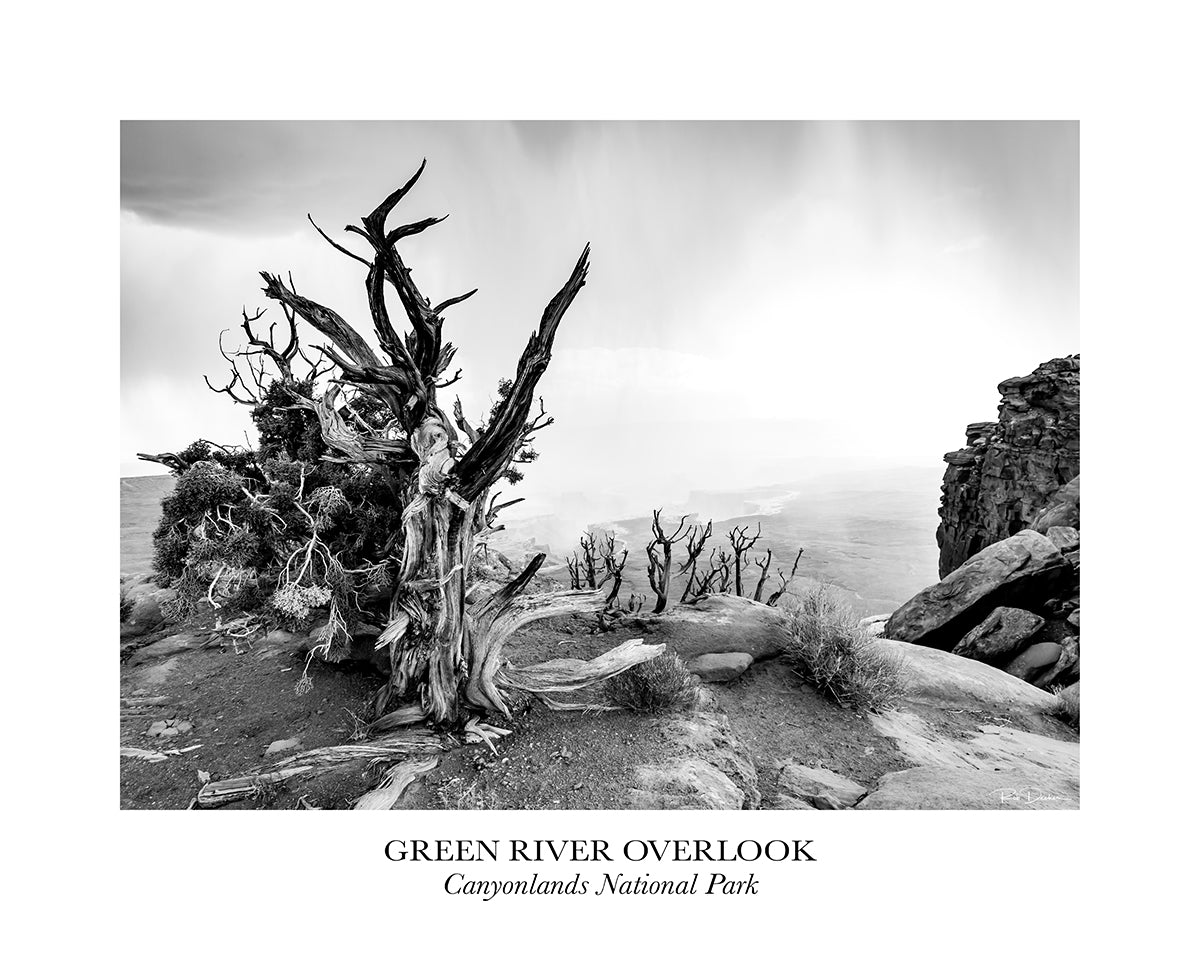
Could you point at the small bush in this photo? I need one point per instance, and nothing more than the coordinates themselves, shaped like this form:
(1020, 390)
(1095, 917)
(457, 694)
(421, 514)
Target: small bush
(655, 686)
(827, 649)
(1066, 705)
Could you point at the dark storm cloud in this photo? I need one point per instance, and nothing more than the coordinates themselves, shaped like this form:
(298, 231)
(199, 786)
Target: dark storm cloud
(742, 272)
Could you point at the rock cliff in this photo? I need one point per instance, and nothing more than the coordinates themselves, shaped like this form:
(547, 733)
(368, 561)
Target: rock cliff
(1009, 538)
(1012, 469)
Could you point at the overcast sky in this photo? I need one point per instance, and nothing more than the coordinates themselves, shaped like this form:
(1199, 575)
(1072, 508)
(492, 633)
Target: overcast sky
(766, 300)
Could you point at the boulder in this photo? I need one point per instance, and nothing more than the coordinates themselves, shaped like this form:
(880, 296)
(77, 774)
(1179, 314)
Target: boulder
(1067, 541)
(285, 640)
(941, 679)
(1004, 631)
(1062, 510)
(169, 728)
(705, 766)
(720, 667)
(874, 626)
(1065, 538)
(146, 613)
(818, 788)
(362, 645)
(281, 746)
(1066, 669)
(717, 624)
(954, 788)
(685, 783)
(1023, 571)
(167, 647)
(1034, 661)
(997, 768)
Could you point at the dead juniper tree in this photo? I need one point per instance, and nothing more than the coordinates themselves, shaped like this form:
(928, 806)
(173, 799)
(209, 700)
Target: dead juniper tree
(614, 568)
(443, 652)
(697, 538)
(742, 544)
(658, 552)
(764, 570)
(582, 569)
(725, 570)
(706, 583)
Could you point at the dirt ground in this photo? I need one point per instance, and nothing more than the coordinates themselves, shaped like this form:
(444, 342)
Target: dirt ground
(238, 705)
(777, 716)
(241, 701)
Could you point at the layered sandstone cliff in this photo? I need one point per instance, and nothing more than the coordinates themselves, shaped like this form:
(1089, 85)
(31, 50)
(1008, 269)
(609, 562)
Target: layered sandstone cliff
(1013, 469)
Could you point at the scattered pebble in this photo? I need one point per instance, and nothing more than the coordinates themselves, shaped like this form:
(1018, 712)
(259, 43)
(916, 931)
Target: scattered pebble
(169, 728)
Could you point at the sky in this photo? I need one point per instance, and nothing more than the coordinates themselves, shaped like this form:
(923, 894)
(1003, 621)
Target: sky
(766, 301)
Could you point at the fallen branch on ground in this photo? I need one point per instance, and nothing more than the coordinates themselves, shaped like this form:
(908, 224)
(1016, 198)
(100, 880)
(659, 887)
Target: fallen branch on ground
(156, 756)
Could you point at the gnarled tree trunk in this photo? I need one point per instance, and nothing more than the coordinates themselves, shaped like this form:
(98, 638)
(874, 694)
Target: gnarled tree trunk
(443, 650)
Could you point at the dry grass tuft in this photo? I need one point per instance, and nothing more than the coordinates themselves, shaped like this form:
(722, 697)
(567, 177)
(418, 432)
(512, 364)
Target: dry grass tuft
(655, 686)
(829, 651)
(1066, 704)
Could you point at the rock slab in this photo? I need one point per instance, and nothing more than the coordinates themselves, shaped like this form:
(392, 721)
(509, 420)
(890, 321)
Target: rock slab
(706, 767)
(1024, 570)
(1029, 664)
(1004, 632)
(817, 787)
(720, 667)
(718, 624)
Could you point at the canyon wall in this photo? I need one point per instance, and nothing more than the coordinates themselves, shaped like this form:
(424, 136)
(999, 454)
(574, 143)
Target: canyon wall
(1013, 469)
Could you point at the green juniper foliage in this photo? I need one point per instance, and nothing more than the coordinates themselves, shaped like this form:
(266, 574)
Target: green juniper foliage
(237, 515)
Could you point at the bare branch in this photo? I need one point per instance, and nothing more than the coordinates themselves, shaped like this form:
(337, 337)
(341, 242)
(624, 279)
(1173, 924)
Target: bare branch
(785, 581)
(453, 300)
(487, 459)
(764, 566)
(234, 382)
(344, 336)
(461, 420)
(337, 246)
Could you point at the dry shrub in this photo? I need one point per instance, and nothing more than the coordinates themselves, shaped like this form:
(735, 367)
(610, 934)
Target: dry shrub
(828, 650)
(1066, 705)
(655, 686)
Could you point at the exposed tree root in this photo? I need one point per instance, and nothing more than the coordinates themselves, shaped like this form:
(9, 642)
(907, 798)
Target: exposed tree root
(393, 784)
(562, 676)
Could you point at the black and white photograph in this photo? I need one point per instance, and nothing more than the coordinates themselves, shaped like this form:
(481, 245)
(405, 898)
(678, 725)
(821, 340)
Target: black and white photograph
(548, 465)
(591, 481)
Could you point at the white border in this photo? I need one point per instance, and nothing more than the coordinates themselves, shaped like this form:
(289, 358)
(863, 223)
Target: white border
(282, 884)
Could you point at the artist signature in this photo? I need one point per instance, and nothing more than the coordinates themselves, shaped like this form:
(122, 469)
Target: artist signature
(1030, 796)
